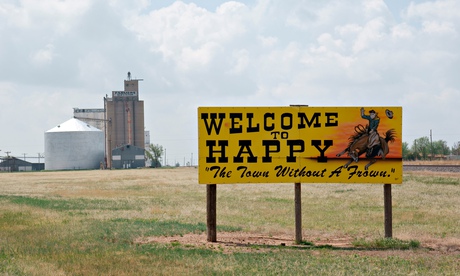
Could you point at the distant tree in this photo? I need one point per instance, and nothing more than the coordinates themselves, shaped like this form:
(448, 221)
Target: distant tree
(456, 148)
(154, 153)
(440, 147)
(421, 147)
(405, 151)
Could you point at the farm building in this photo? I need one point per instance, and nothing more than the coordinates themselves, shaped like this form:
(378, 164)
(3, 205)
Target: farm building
(128, 157)
(13, 164)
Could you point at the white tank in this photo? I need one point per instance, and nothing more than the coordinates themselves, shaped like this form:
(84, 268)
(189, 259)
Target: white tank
(73, 145)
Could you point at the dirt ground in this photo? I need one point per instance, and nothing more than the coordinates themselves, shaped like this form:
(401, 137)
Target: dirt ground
(229, 242)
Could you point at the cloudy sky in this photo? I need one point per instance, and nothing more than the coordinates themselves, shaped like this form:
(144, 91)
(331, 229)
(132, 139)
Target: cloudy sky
(59, 54)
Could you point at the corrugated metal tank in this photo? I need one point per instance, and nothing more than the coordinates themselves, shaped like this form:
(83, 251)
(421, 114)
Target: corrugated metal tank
(73, 145)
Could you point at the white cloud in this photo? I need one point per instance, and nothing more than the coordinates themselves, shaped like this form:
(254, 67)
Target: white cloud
(13, 16)
(56, 14)
(326, 40)
(267, 41)
(44, 55)
(373, 32)
(192, 59)
(402, 31)
(374, 8)
(348, 29)
(182, 29)
(434, 10)
(435, 27)
(240, 61)
(232, 7)
(436, 17)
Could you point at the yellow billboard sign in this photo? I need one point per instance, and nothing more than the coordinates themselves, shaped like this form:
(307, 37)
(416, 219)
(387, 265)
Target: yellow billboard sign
(300, 144)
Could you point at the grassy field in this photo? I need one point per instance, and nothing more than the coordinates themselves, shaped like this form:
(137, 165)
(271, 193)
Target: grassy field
(153, 222)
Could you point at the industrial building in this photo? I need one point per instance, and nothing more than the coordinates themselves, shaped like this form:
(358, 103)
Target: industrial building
(77, 143)
(124, 115)
(74, 145)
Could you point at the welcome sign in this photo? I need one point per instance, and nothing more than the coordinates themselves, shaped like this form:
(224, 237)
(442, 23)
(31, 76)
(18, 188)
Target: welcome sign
(300, 144)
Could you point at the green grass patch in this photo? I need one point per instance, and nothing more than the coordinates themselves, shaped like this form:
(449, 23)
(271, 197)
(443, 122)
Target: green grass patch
(344, 190)
(14, 219)
(277, 200)
(386, 243)
(433, 179)
(58, 204)
(307, 243)
(127, 229)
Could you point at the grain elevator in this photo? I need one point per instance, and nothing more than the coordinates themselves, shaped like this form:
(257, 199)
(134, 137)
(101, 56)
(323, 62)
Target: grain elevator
(124, 117)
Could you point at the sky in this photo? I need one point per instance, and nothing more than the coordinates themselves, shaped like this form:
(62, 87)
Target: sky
(56, 55)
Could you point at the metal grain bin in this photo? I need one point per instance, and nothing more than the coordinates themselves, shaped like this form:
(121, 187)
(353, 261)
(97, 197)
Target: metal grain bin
(73, 145)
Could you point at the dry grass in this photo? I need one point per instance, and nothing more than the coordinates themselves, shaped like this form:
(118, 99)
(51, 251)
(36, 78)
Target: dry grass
(174, 194)
(107, 214)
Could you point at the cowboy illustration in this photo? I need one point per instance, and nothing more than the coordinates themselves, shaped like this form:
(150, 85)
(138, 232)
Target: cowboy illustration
(366, 139)
(374, 138)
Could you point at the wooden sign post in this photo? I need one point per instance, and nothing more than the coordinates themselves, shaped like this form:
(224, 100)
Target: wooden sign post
(298, 212)
(388, 210)
(211, 211)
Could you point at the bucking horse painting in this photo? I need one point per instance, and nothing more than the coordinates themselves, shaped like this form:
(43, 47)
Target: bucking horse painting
(358, 144)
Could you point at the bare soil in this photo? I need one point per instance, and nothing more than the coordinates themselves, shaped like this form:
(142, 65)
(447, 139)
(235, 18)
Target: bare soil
(229, 242)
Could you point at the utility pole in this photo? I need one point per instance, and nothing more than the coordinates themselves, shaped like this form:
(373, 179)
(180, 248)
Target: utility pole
(8, 158)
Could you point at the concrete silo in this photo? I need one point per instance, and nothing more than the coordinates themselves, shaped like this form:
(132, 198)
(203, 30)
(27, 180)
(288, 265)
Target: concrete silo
(73, 145)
